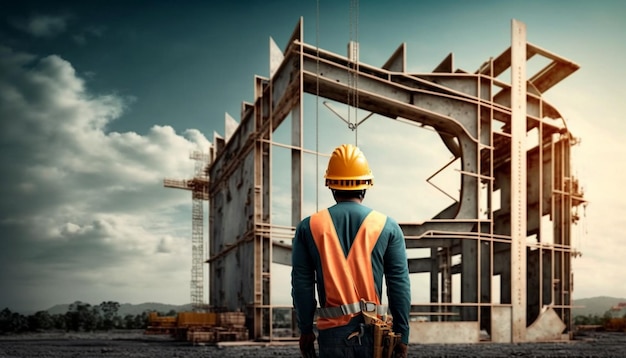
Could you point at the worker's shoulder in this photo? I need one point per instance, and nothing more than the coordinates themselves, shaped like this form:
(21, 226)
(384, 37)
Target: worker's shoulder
(389, 220)
(305, 222)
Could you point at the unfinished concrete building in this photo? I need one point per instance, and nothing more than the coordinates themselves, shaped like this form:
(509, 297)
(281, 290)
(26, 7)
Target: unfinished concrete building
(507, 236)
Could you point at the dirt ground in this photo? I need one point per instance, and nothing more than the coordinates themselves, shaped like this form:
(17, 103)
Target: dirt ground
(118, 345)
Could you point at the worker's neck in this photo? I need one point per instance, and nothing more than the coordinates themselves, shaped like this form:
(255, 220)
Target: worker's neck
(345, 200)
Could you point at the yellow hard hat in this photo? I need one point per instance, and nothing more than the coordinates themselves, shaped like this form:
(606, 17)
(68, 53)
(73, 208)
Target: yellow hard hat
(348, 169)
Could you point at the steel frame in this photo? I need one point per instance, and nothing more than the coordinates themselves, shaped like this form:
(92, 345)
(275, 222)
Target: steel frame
(482, 120)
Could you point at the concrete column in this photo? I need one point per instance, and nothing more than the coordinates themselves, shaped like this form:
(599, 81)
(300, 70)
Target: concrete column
(518, 180)
(469, 278)
(434, 278)
(485, 283)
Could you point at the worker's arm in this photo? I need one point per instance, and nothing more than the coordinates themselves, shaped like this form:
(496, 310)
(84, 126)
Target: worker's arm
(397, 279)
(303, 278)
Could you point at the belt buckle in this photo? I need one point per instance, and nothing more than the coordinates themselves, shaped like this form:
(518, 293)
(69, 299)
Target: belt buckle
(368, 306)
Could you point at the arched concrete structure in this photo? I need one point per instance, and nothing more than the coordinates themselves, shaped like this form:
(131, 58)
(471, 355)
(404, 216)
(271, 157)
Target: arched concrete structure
(523, 241)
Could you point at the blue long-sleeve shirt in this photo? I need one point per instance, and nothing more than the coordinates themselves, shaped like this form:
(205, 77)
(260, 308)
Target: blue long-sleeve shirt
(388, 259)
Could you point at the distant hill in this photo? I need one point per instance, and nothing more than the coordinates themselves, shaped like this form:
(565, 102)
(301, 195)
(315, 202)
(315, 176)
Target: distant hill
(595, 306)
(128, 308)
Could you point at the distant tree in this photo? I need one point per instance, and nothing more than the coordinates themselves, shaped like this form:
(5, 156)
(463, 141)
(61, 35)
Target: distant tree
(19, 322)
(91, 318)
(12, 322)
(595, 319)
(109, 311)
(81, 316)
(41, 320)
(72, 321)
(58, 321)
(141, 320)
(581, 320)
(118, 322)
(129, 321)
(5, 319)
(72, 316)
(590, 320)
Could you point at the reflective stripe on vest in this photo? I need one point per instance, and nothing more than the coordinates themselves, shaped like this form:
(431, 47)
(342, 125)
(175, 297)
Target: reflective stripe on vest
(346, 280)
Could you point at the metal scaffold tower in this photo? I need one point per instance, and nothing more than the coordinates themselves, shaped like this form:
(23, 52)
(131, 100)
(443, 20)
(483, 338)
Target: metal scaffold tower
(199, 193)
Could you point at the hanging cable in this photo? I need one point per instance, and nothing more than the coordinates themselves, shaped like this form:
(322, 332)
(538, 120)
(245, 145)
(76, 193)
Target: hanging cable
(356, 73)
(317, 106)
(350, 59)
(353, 93)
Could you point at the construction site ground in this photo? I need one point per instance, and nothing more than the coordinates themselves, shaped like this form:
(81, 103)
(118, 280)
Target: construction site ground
(136, 344)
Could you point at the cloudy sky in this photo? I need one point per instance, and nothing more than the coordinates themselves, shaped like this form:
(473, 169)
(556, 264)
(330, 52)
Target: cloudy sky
(101, 100)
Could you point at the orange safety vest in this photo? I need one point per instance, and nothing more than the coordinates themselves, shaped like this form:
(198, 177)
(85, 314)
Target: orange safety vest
(346, 279)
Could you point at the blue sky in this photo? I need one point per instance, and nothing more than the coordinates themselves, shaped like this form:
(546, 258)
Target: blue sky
(101, 100)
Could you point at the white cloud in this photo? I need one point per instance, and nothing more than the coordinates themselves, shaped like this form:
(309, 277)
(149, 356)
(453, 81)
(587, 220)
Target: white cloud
(84, 208)
(44, 25)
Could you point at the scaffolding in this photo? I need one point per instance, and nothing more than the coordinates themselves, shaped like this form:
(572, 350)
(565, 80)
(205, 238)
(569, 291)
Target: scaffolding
(509, 224)
(198, 186)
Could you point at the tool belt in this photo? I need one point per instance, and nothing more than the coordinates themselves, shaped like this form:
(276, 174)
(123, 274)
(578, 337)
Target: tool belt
(385, 340)
(351, 308)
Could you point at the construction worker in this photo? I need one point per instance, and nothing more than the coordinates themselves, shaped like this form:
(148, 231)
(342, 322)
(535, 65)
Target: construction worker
(347, 249)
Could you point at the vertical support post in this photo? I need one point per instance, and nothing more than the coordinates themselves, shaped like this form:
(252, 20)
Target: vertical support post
(262, 314)
(446, 277)
(486, 259)
(296, 157)
(210, 250)
(262, 202)
(518, 180)
(296, 162)
(434, 278)
(469, 279)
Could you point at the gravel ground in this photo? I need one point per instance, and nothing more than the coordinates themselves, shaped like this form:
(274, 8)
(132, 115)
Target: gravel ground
(114, 345)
